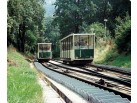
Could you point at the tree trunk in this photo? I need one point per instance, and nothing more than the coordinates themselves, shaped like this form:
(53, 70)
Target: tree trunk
(21, 39)
(77, 19)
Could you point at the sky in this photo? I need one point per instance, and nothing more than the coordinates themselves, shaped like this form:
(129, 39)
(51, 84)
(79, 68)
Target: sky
(49, 7)
(49, 2)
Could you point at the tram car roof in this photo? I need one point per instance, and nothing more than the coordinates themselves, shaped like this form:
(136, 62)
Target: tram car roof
(77, 34)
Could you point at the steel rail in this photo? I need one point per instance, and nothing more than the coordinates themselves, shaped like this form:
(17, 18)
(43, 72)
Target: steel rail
(121, 81)
(91, 83)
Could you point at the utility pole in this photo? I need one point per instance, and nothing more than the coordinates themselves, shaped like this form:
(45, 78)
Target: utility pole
(105, 20)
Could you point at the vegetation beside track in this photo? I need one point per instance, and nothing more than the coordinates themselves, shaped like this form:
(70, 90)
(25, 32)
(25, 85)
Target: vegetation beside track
(21, 80)
(109, 56)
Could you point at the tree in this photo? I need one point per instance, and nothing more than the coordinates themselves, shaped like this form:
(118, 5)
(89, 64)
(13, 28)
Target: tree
(119, 8)
(53, 35)
(25, 22)
(123, 34)
(70, 14)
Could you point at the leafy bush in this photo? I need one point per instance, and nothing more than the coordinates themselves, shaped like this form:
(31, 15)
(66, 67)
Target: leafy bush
(30, 41)
(105, 54)
(101, 38)
(98, 29)
(109, 56)
(123, 34)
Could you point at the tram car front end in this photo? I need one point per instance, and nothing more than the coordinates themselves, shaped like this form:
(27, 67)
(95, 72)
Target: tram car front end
(44, 53)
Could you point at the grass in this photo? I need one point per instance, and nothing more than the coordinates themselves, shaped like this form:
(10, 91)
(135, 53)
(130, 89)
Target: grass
(122, 61)
(22, 80)
(109, 56)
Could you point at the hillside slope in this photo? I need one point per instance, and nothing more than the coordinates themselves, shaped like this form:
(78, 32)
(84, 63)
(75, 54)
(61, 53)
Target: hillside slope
(109, 56)
(21, 80)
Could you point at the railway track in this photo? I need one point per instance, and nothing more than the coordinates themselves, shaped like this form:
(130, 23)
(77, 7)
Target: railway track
(120, 89)
(89, 92)
(112, 68)
(117, 77)
(115, 69)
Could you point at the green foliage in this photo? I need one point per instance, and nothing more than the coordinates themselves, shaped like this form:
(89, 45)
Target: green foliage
(52, 30)
(101, 53)
(109, 56)
(123, 34)
(52, 34)
(101, 37)
(31, 41)
(112, 53)
(22, 81)
(71, 14)
(25, 23)
(119, 8)
(98, 29)
(104, 8)
(122, 61)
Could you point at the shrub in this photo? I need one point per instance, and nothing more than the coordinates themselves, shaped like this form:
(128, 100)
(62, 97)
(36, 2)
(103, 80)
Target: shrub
(101, 38)
(123, 34)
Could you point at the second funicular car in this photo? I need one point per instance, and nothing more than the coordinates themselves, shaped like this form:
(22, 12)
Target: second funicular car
(77, 48)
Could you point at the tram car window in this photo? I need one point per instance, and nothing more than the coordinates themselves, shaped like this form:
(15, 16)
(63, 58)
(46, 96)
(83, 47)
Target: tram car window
(44, 52)
(77, 48)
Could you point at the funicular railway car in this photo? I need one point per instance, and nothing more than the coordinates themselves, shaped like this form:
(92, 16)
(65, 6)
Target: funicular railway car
(44, 53)
(77, 48)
